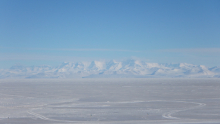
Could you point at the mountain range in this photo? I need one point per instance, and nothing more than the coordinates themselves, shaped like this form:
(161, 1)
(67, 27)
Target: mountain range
(130, 68)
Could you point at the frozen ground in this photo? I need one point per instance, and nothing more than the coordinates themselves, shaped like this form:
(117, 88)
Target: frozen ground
(108, 101)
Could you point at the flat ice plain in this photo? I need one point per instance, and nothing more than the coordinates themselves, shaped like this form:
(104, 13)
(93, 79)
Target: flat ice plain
(110, 101)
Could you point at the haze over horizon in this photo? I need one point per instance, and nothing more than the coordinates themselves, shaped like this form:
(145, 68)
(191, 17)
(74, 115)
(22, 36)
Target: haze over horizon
(49, 32)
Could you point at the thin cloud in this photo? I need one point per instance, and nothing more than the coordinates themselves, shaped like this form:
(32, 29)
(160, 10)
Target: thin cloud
(27, 57)
(66, 49)
(193, 50)
(60, 49)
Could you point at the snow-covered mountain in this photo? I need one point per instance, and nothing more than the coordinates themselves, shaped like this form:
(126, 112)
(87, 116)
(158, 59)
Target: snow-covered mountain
(112, 69)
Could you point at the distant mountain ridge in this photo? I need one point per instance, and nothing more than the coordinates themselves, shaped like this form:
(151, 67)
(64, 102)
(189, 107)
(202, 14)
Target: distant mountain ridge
(130, 68)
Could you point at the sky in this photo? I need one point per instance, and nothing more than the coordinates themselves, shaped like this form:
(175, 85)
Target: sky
(48, 32)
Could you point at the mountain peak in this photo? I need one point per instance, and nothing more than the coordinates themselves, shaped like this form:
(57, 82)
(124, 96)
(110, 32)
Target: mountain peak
(112, 68)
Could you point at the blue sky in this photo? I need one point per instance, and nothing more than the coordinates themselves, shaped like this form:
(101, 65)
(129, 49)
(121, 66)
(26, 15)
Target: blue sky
(37, 32)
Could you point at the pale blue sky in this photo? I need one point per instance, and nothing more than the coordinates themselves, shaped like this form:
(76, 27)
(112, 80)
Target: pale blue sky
(36, 32)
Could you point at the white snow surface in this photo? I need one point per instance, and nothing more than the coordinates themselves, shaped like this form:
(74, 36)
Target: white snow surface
(112, 69)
